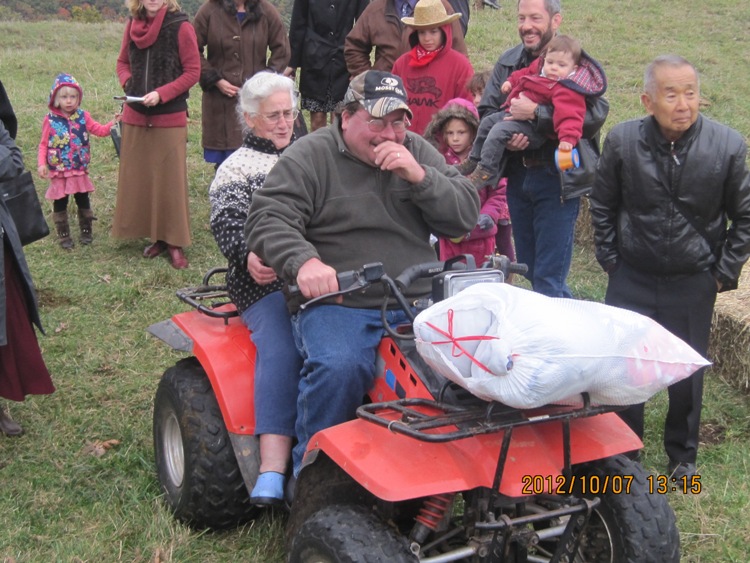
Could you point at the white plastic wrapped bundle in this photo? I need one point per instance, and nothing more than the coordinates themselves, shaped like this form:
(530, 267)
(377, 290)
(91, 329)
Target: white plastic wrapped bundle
(525, 350)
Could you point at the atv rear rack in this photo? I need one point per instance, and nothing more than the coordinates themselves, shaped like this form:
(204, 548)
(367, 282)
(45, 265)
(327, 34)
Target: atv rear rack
(215, 295)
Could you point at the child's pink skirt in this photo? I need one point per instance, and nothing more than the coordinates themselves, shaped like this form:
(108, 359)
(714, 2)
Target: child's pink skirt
(68, 183)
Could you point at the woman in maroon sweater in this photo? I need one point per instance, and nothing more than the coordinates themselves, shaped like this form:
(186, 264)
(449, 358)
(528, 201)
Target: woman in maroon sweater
(158, 63)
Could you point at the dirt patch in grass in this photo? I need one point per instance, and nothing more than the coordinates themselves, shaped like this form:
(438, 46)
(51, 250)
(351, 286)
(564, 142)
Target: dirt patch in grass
(51, 298)
(712, 433)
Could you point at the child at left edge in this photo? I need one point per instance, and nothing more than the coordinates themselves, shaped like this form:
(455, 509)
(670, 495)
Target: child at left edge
(64, 155)
(452, 131)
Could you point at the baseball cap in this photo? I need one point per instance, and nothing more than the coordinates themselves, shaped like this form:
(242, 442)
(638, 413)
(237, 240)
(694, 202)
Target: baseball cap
(379, 92)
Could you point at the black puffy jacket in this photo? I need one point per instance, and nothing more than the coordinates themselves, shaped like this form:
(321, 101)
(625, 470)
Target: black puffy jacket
(636, 219)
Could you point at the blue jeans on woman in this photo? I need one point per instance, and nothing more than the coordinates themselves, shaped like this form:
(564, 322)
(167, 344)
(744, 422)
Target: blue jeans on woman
(339, 346)
(543, 226)
(277, 365)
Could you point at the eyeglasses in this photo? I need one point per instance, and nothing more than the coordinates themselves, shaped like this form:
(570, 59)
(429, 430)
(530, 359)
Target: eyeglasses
(379, 125)
(275, 117)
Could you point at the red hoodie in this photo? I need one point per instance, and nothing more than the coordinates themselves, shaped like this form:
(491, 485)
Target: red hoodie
(429, 87)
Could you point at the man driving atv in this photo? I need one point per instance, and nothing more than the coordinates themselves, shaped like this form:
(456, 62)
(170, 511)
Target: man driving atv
(362, 190)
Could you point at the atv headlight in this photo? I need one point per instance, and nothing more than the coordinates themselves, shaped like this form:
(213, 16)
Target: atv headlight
(449, 284)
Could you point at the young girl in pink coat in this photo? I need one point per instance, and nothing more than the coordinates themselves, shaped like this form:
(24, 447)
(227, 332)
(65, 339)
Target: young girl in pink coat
(452, 131)
(64, 155)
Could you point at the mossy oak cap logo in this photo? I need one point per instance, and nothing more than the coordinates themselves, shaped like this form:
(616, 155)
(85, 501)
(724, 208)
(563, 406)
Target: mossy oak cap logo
(379, 92)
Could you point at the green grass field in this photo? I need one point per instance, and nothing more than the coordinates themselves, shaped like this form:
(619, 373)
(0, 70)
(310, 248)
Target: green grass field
(60, 503)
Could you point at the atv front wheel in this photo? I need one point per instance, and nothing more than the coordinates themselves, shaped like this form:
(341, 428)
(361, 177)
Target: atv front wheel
(630, 525)
(348, 534)
(195, 461)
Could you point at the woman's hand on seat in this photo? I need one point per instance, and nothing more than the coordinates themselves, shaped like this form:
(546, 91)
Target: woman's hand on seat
(262, 274)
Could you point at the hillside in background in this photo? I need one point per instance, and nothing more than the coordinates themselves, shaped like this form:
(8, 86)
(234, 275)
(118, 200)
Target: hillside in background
(94, 10)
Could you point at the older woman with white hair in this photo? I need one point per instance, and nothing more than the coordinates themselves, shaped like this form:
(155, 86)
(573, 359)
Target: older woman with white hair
(267, 108)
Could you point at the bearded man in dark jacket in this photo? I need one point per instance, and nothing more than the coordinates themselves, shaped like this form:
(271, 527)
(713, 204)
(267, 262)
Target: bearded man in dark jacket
(671, 215)
(543, 203)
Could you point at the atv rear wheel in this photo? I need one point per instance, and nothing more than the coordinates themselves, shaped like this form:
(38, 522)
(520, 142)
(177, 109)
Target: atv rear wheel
(348, 534)
(630, 525)
(195, 461)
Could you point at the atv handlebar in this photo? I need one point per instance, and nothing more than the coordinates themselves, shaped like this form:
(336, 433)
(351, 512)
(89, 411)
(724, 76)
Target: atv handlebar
(504, 264)
(418, 271)
(351, 281)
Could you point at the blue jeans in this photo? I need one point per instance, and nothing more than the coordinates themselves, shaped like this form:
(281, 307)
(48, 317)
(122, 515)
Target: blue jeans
(339, 346)
(277, 365)
(543, 226)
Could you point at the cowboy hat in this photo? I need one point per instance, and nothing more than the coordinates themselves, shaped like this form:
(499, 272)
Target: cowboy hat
(429, 14)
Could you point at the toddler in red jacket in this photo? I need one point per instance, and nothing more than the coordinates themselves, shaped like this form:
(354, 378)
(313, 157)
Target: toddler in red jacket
(563, 76)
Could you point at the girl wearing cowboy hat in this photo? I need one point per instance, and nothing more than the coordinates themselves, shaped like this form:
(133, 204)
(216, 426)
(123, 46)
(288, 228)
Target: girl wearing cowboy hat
(432, 71)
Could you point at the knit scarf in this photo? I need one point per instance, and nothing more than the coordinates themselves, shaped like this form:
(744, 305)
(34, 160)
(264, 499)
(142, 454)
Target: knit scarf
(145, 32)
(418, 56)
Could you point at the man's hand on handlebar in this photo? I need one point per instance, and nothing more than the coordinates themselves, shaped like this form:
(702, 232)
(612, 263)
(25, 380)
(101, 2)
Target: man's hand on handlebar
(315, 278)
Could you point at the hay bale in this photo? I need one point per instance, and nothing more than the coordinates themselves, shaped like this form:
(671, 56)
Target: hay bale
(730, 335)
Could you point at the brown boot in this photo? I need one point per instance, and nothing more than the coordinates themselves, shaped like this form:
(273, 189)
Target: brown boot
(466, 167)
(480, 177)
(85, 218)
(63, 229)
(8, 426)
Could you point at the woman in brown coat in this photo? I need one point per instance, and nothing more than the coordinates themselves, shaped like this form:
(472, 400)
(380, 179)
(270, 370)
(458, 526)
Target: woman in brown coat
(234, 37)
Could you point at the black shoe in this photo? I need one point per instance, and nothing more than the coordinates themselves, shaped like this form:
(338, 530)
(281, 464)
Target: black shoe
(8, 426)
(679, 469)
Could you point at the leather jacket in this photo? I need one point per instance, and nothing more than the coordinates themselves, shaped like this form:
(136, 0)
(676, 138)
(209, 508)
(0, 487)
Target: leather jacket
(636, 219)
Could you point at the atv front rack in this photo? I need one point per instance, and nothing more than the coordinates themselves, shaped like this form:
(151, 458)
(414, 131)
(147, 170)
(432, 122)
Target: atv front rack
(432, 421)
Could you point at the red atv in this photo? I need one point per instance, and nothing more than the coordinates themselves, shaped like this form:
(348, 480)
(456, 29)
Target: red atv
(427, 472)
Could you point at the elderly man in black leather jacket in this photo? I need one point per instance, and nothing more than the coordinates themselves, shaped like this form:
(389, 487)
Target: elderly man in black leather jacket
(668, 186)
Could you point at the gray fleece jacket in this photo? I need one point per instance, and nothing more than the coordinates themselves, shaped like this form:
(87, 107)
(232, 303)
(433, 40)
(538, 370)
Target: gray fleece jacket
(319, 201)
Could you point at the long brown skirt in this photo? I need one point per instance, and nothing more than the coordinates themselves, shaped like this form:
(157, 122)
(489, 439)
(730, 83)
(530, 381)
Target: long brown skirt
(22, 369)
(152, 195)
